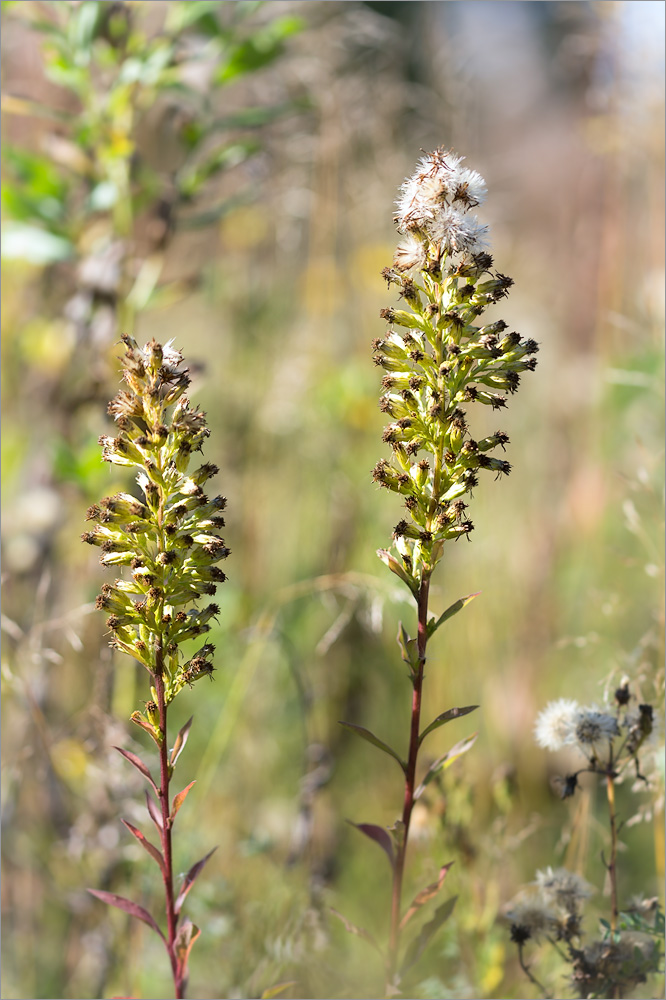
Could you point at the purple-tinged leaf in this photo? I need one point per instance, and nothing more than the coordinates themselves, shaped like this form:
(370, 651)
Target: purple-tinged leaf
(434, 623)
(277, 990)
(128, 906)
(422, 939)
(371, 738)
(154, 812)
(185, 938)
(449, 716)
(445, 761)
(358, 931)
(146, 844)
(181, 740)
(188, 881)
(379, 835)
(179, 799)
(139, 765)
(425, 895)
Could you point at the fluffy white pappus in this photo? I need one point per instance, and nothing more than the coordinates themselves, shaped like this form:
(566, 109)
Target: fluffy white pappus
(593, 732)
(439, 182)
(555, 724)
(563, 887)
(410, 253)
(459, 233)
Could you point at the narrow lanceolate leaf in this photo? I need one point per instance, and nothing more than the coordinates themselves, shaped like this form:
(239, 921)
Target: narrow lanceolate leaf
(128, 906)
(399, 570)
(425, 895)
(146, 844)
(408, 649)
(188, 881)
(179, 799)
(181, 740)
(434, 623)
(441, 720)
(371, 738)
(358, 931)
(139, 765)
(185, 938)
(442, 763)
(154, 812)
(421, 941)
(380, 836)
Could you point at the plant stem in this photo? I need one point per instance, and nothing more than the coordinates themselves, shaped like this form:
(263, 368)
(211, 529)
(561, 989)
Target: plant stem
(612, 865)
(526, 970)
(410, 780)
(167, 874)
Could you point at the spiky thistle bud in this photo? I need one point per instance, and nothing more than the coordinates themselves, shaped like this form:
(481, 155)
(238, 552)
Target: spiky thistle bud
(168, 536)
(439, 357)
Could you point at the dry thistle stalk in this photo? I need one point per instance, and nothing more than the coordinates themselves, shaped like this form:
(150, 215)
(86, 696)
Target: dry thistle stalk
(170, 541)
(438, 359)
(611, 741)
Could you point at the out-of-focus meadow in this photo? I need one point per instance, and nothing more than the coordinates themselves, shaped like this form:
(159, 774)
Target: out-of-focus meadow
(270, 284)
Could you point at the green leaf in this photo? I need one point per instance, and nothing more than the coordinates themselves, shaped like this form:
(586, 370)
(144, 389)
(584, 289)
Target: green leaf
(449, 716)
(399, 570)
(408, 649)
(421, 941)
(259, 50)
(278, 989)
(442, 763)
(371, 738)
(434, 624)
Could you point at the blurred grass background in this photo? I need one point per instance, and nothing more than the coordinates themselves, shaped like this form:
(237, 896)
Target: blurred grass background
(560, 106)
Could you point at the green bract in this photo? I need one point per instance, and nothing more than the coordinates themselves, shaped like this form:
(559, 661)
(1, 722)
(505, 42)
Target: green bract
(169, 536)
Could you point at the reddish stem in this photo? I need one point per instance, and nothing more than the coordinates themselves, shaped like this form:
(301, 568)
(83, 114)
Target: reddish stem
(165, 833)
(410, 783)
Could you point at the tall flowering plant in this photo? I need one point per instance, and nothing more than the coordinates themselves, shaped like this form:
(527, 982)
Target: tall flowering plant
(438, 359)
(168, 537)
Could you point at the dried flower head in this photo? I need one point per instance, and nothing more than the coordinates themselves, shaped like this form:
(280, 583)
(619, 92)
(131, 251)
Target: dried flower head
(593, 733)
(438, 359)
(168, 535)
(564, 888)
(532, 917)
(554, 725)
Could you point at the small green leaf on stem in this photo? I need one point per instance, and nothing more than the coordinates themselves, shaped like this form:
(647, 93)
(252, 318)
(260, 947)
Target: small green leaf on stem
(379, 835)
(371, 738)
(408, 649)
(128, 906)
(425, 895)
(448, 716)
(179, 799)
(188, 881)
(181, 740)
(434, 623)
(442, 763)
(399, 571)
(139, 765)
(146, 844)
(358, 931)
(421, 941)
